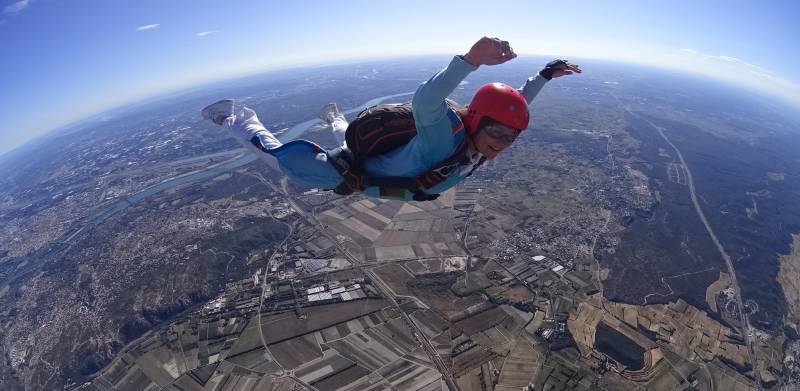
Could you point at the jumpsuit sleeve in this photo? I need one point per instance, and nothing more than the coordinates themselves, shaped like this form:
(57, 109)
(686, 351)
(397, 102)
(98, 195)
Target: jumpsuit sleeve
(532, 87)
(428, 104)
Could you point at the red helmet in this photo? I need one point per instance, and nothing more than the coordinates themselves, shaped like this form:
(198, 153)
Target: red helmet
(499, 102)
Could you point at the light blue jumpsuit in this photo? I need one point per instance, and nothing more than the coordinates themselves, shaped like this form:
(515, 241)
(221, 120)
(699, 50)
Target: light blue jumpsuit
(438, 137)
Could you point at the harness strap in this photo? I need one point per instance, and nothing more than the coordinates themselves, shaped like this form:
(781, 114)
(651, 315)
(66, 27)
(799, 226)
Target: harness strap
(475, 167)
(439, 173)
(353, 180)
(342, 160)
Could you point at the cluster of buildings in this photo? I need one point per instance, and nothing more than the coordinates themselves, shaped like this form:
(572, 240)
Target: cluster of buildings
(535, 270)
(334, 291)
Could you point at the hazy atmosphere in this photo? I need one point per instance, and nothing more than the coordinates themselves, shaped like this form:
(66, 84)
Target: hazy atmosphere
(65, 60)
(412, 196)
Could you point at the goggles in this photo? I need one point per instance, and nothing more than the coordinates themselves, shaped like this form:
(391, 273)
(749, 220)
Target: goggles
(504, 133)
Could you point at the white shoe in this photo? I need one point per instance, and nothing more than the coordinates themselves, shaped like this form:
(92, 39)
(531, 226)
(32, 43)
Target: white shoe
(329, 113)
(218, 111)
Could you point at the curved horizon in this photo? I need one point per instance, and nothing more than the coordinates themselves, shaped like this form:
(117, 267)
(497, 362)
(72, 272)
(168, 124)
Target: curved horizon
(69, 64)
(355, 61)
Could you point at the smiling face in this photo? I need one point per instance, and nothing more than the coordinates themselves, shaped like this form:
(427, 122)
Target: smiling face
(493, 137)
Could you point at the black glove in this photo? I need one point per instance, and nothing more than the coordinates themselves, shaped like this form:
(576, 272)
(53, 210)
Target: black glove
(351, 183)
(552, 66)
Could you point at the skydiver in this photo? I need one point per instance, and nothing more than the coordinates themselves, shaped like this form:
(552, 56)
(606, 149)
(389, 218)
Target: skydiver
(450, 142)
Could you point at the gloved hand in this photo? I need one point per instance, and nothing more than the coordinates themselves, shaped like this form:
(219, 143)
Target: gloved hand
(351, 183)
(558, 68)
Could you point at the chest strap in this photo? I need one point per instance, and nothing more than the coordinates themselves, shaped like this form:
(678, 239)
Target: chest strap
(354, 180)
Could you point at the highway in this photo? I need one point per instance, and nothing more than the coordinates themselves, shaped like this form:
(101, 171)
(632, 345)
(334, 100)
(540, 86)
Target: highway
(417, 332)
(745, 320)
(270, 262)
(378, 283)
(388, 293)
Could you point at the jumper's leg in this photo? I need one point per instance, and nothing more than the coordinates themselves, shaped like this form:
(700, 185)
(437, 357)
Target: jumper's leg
(245, 127)
(330, 114)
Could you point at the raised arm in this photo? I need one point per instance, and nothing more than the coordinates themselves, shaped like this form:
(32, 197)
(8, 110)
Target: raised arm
(429, 101)
(555, 68)
(532, 87)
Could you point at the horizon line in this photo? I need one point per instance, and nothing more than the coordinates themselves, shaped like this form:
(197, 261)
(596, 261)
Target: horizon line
(186, 88)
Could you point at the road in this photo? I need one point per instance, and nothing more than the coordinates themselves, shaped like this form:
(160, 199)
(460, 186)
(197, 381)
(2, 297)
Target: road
(417, 332)
(388, 293)
(746, 328)
(270, 262)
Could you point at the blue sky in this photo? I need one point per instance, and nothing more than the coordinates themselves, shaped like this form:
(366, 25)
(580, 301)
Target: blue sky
(64, 60)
